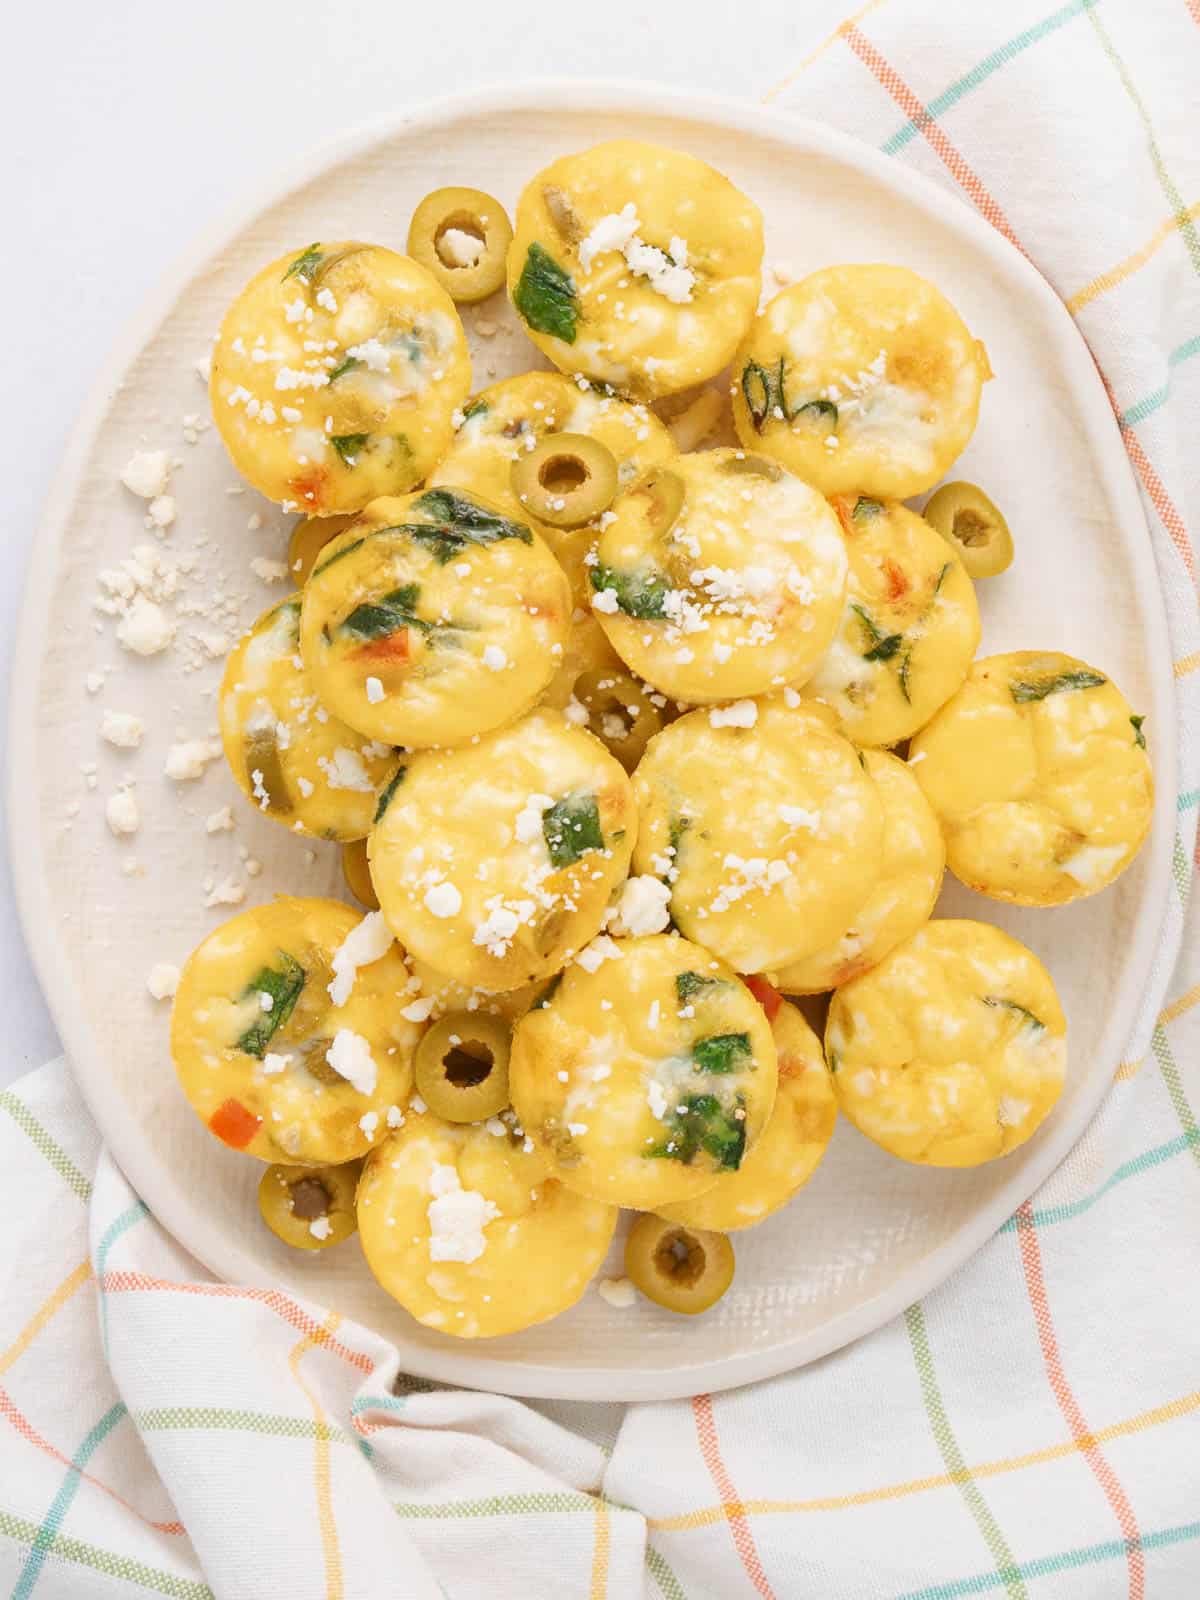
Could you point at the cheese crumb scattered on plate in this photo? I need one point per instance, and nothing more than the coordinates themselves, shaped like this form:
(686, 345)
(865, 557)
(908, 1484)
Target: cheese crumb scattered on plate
(122, 729)
(162, 980)
(617, 1292)
(147, 473)
(122, 814)
(189, 758)
(219, 821)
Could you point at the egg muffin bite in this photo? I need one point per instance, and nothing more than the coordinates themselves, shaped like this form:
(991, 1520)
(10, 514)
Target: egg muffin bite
(646, 1072)
(911, 866)
(433, 618)
(636, 265)
(289, 1032)
(467, 1227)
(1038, 772)
(720, 575)
(495, 863)
(951, 1051)
(503, 425)
(336, 374)
(860, 379)
(909, 629)
(299, 765)
(766, 825)
(794, 1140)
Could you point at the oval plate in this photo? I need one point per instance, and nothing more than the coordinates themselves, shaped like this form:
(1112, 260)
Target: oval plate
(869, 1235)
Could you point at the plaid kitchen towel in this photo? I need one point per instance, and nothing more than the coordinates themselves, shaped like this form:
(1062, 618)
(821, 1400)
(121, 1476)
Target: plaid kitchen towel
(1032, 1429)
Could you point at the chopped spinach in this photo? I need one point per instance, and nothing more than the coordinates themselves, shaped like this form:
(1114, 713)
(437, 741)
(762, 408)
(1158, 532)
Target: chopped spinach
(457, 522)
(690, 984)
(700, 1122)
(350, 364)
(348, 445)
(476, 408)
(346, 550)
(882, 646)
(1026, 689)
(545, 296)
(998, 1001)
(305, 265)
(1139, 738)
(388, 790)
(283, 985)
(639, 594)
(902, 675)
(865, 508)
(379, 619)
(721, 1052)
(572, 827)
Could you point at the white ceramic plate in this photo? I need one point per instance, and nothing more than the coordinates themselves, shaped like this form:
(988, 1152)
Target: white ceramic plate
(870, 1234)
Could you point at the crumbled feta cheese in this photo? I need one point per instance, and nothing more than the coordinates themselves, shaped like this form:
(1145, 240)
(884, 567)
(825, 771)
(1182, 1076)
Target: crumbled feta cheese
(219, 821)
(457, 1217)
(605, 600)
(229, 892)
(147, 473)
(161, 510)
(494, 658)
(374, 690)
(800, 817)
(162, 980)
(366, 942)
(741, 714)
(345, 769)
(123, 729)
(320, 1227)
(593, 956)
(443, 900)
(644, 906)
(94, 682)
(460, 248)
(145, 629)
(189, 758)
(122, 814)
(269, 571)
(417, 1011)
(576, 713)
(529, 826)
(369, 1122)
(350, 1057)
(273, 1064)
(617, 1292)
(1010, 1112)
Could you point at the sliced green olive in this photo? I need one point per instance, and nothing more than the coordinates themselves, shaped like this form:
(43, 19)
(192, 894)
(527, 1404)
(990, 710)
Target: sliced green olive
(309, 1208)
(462, 237)
(752, 467)
(819, 414)
(358, 874)
(620, 713)
(308, 539)
(659, 498)
(566, 480)
(971, 524)
(683, 1269)
(461, 1066)
(264, 770)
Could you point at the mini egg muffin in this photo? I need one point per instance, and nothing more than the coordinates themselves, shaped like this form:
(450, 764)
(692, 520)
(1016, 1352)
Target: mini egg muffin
(433, 618)
(951, 1051)
(289, 1032)
(794, 1140)
(646, 1072)
(467, 1227)
(299, 765)
(909, 628)
(636, 265)
(336, 374)
(495, 862)
(911, 866)
(720, 575)
(860, 379)
(504, 424)
(1038, 772)
(765, 823)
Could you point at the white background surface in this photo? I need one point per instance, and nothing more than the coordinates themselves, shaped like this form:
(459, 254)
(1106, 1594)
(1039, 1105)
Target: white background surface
(127, 128)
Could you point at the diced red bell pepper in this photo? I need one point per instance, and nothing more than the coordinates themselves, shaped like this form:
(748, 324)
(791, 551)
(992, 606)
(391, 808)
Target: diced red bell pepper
(308, 488)
(767, 995)
(234, 1124)
(898, 584)
(392, 647)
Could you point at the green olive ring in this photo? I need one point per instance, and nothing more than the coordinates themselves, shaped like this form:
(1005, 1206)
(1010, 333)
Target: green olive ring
(973, 526)
(356, 871)
(294, 1201)
(308, 538)
(567, 479)
(467, 214)
(461, 1066)
(681, 1269)
(605, 694)
(659, 495)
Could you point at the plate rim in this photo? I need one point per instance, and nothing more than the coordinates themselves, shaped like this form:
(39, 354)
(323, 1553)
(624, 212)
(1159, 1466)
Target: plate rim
(26, 848)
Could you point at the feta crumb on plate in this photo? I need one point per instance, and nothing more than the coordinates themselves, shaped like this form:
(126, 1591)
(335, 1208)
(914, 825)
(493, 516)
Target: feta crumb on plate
(147, 473)
(122, 814)
(162, 980)
(122, 729)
